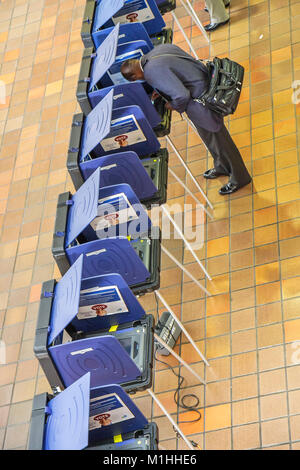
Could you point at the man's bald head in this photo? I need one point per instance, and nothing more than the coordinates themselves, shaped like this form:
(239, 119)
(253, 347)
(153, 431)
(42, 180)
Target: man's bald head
(131, 70)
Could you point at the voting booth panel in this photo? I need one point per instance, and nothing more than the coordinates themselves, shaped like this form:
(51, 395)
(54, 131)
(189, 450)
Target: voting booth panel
(138, 261)
(132, 32)
(115, 340)
(103, 14)
(80, 418)
(128, 32)
(106, 130)
(129, 132)
(101, 72)
(81, 219)
(97, 213)
(147, 177)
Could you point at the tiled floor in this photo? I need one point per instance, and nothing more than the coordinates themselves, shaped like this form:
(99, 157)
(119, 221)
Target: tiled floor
(250, 327)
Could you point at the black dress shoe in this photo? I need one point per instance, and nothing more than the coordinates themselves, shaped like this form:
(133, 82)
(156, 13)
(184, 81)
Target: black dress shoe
(212, 174)
(226, 6)
(213, 26)
(230, 188)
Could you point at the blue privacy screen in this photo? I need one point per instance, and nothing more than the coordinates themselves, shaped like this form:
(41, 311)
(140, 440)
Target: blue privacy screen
(67, 426)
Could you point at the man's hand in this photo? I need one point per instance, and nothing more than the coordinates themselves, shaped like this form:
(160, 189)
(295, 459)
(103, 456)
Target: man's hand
(169, 106)
(154, 96)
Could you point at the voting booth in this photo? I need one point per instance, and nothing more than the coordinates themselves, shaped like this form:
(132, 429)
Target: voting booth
(80, 417)
(93, 325)
(101, 72)
(94, 221)
(107, 131)
(102, 14)
(147, 177)
(93, 339)
(165, 6)
(130, 32)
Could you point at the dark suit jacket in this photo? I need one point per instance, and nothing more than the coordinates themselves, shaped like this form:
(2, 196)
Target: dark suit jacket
(181, 79)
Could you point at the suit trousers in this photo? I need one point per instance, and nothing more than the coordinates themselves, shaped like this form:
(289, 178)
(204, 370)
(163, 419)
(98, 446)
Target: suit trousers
(227, 158)
(217, 10)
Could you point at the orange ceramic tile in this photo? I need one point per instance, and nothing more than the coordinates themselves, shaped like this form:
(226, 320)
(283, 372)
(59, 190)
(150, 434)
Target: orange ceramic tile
(275, 431)
(241, 223)
(216, 326)
(284, 143)
(287, 176)
(218, 417)
(289, 229)
(35, 293)
(217, 304)
(267, 234)
(282, 128)
(288, 193)
(268, 293)
(262, 118)
(265, 216)
(260, 75)
(244, 387)
(218, 347)
(245, 411)
(240, 205)
(53, 88)
(215, 440)
(281, 55)
(269, 313)
(288, 249)
(267, 273)
(273, 406)
(264, 199)
(289, 210)
(3, 36)
(242, 278)
(262, 134)
(290, 267)
(263, 182)
(270, 335)
(282, 97)
(240, 125)
(217, 247)
(291, 308)
(284, 112)
(242, 299)
(243, 341)
(246, 437)
(290, 287)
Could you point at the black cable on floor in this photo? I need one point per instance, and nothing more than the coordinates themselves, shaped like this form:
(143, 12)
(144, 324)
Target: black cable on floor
(180, 401)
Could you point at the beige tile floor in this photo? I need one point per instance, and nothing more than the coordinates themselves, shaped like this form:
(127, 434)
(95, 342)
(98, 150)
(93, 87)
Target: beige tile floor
(250, 327)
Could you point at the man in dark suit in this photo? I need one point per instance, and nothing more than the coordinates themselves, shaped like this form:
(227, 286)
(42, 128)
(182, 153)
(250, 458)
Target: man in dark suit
(180, 79)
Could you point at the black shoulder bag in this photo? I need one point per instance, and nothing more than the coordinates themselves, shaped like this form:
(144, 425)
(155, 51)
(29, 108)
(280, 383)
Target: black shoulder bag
(226, 80)
(225, 84)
